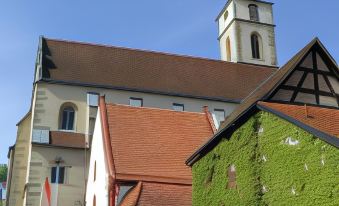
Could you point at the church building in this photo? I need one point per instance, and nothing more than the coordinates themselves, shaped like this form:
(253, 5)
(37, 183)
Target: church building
(63, 137)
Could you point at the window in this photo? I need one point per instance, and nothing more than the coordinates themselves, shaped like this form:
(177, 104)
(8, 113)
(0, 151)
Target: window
(219, 116)
(228, 49)
(61, 176)
(67, 122)
(135, 102)
(231, 173)
(254, 15)
(95, 171)
(91, 125)
(92, 99)
(225, 15)
(178, 107)
(255, 43)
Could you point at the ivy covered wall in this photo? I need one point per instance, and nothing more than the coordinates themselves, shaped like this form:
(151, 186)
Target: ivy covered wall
(276, 163)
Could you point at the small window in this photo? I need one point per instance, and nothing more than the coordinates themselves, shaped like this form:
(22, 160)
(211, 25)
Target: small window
(61, 178)
(219, 116)
(178, 107)
(91, 125)
(95, 171)
(255, 44)
(254, 15)
(92, 99)
(135, 102)
(228, 49)
(225, 15)
(68, 114)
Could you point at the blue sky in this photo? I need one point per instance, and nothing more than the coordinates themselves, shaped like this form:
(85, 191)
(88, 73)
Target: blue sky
(174, 26)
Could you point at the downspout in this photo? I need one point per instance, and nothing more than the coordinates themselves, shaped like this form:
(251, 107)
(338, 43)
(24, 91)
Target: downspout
(108, 150)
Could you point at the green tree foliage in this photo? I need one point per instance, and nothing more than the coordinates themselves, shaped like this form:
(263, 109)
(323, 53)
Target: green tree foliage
(269, 171)
(3, 173)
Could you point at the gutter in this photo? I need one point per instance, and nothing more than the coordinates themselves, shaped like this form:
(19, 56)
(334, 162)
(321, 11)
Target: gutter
(108, 150)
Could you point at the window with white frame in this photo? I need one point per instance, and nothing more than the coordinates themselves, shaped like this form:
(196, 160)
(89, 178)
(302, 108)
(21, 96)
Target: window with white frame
(135, 102)
(178, 107)
(219, 116)
(67, 119)
(92, 99)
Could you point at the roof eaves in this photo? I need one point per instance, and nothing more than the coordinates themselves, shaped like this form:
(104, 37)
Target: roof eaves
(330, 139)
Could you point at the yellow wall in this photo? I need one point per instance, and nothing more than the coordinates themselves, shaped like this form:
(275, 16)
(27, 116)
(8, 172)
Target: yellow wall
(20, 162)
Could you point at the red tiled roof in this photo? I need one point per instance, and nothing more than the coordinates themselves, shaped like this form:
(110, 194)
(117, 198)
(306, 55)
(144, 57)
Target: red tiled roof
(67, 139)
(137, 70)
(152, 144)
(166, 194)
(323, 119)
(132, 197)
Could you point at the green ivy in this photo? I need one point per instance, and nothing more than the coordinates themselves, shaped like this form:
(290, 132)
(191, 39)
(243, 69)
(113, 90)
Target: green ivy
(302, 174)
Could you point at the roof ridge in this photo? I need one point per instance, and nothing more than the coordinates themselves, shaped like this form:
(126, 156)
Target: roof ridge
(155, 108)
(158, 52)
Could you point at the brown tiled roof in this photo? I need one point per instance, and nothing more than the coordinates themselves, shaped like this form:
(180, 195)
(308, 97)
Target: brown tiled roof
(323, 119)
(151, 144)
(67, 139)
(166, 194)
(136, 70)
(260, 93)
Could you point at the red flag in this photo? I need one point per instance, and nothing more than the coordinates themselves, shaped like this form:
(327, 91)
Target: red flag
(46, 194)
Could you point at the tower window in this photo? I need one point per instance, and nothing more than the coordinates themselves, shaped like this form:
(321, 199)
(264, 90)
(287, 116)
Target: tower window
(254, 15)
(255, 43)
(228, 49)
(225, 15)
(67, 122)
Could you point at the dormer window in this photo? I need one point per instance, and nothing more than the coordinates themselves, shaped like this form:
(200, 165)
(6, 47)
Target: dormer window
(254, 15)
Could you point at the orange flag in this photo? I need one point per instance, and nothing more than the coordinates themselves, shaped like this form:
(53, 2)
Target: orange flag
(46, 194)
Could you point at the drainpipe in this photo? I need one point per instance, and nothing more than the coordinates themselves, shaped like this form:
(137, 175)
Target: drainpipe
(108, 150)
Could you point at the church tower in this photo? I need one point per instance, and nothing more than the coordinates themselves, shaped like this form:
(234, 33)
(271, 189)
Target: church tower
(246, 32)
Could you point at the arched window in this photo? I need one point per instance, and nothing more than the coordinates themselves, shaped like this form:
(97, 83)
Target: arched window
(67, 117)
(254, 15)
(256, 46)
(228, 49)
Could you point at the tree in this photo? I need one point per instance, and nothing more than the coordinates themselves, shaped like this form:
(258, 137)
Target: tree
(3, 173)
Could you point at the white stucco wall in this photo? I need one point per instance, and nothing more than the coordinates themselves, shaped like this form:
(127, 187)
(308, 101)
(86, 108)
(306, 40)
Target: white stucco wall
(99, 187)
(221, 20)
(222, 44)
